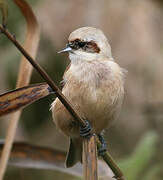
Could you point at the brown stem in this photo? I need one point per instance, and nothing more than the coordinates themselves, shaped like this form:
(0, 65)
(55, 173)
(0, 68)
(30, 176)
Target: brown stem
(107, 157)
(90, 159)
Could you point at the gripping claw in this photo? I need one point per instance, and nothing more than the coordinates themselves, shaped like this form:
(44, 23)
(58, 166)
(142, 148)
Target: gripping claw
(103, 148)
(86, 131)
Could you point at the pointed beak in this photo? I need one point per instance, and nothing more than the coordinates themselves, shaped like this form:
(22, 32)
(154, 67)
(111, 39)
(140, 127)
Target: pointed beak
(67, 49)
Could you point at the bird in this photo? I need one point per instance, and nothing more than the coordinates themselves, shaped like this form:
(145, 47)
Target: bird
(93, 83)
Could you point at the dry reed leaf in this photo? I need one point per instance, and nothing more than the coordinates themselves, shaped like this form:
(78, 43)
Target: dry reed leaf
(17, 99)
(24, 155)
(25, 71)
(4, 11)
(31, 42)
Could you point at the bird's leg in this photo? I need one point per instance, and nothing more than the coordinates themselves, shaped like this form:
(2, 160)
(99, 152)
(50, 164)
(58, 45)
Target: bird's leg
(103, 148)
(86, 131)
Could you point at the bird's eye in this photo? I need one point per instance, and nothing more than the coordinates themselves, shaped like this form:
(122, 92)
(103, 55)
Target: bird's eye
(81, 44)
(77, 44)
(88, 46)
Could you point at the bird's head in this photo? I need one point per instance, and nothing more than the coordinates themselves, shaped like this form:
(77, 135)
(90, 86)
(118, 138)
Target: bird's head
(87, 44)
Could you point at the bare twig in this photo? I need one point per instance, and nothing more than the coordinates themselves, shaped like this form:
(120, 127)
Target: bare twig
(90, 159)
(62, 98)
(25, 71)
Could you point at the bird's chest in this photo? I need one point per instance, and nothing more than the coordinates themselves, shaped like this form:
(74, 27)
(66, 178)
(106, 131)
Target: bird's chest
(89, 85)
(96, 92)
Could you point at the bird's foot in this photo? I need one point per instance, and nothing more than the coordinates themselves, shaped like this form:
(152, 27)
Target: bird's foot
(102, 150)
(86, 131)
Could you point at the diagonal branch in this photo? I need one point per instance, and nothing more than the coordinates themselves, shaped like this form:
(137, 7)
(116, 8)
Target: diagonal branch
(62, 98)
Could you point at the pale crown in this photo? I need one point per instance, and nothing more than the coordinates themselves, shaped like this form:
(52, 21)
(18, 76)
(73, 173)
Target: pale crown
(88, 44)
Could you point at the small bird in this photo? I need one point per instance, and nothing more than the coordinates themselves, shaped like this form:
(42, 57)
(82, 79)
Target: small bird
(93, 84)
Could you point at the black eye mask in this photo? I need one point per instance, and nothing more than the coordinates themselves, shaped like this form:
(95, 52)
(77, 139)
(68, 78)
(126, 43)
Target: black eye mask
(90, 46)
(77, 44)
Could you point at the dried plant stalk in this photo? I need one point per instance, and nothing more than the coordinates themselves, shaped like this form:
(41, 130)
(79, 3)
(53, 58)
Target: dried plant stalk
(22, 97)
(90, 159)
(4, 11)
(25, 155)
(25, 70)
(31, 42)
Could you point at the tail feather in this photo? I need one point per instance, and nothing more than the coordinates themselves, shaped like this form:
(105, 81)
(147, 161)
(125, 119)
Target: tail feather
(75, 152)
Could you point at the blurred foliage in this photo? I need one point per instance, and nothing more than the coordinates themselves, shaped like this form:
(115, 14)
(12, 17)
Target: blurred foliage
(135, 165)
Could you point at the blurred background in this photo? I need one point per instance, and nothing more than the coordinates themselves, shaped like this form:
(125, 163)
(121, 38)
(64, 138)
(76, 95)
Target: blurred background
(135, 32)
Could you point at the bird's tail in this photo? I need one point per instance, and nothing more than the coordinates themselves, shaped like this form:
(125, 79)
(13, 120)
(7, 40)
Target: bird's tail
(75, 152)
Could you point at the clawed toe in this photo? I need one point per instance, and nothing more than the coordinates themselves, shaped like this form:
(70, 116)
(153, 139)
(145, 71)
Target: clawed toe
(102, 150)
(86, 131)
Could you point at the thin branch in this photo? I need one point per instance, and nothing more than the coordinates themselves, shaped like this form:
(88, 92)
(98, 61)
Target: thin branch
(62, 98)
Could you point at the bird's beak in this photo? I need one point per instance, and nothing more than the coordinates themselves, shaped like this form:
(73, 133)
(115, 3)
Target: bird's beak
(67, 49)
